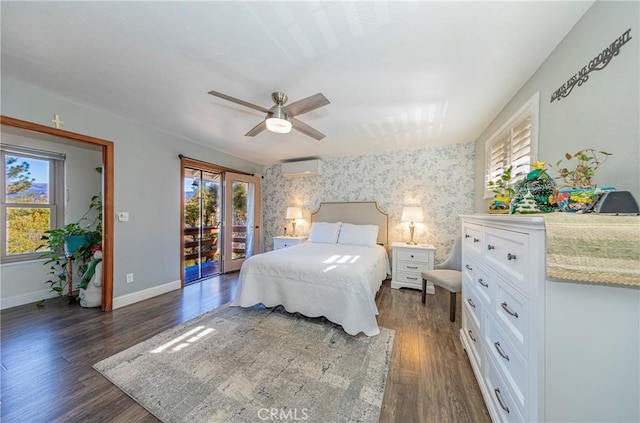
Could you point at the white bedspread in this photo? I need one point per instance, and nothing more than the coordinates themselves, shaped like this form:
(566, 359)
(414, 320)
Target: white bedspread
(336, 281)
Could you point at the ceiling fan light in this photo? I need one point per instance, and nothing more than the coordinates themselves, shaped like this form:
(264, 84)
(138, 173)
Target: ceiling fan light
(279, 126)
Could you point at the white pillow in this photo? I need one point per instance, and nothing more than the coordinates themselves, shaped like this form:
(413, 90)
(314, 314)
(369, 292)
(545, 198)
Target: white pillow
(366, 235)
(323, 232)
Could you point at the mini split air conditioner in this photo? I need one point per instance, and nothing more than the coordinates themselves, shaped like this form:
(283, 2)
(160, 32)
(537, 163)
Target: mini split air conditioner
(303, 168)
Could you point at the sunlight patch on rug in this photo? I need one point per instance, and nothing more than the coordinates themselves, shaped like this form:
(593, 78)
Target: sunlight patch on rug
(254, 364)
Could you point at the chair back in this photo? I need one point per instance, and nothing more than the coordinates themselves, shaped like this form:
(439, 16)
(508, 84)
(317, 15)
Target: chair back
(454, 261)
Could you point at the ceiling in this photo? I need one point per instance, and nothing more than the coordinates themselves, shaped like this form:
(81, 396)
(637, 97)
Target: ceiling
(399, 75)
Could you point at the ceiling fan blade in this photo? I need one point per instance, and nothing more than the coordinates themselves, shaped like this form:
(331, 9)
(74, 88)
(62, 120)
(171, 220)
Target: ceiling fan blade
(306, 129)
(238, 101)
(256, 129)
(306, 105)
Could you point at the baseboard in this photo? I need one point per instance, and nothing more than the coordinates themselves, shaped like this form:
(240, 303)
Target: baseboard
(32, 297)
(145, 294)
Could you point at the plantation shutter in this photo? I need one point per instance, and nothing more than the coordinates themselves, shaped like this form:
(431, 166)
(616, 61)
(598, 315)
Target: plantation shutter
(514, 144)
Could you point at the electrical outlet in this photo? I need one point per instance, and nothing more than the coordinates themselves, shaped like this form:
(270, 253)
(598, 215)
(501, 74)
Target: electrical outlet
(122, 216)
(129, 277)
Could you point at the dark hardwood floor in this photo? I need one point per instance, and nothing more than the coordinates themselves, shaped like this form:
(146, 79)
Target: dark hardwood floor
(47, 353)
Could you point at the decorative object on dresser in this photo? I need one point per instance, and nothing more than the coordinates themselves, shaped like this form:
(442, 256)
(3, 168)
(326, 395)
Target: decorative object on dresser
(534, 193)
(502, 192)
(447, 275)
(280, 242)
(236, 365)
(412, 215)
(409, 261)
(293, 214)
(579, 193)
(527, 336)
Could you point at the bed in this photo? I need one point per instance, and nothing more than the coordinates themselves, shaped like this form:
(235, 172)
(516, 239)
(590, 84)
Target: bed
(335, 274)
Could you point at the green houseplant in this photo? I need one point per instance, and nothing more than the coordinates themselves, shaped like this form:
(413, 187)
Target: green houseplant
(74, 241)
(502, 191)
(578, 192)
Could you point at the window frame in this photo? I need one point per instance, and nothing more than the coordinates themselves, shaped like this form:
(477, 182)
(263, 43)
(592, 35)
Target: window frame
(56, 196)
(530, 110)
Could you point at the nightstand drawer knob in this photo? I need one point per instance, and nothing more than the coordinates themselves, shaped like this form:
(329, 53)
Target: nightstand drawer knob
(511, 256)
(467, 236)
(491, 247)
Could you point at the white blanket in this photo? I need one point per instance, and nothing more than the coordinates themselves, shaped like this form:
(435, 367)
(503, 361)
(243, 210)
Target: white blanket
(336, 281)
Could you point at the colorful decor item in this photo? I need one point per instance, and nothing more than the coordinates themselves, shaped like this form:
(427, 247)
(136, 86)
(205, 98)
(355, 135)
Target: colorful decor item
(499, 204)
(580, 200)
(535, 193)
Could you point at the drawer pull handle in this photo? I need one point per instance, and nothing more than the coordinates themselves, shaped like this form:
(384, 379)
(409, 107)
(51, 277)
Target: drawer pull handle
(511, 256)
(467, 235)
(491, 247)
(412, 279)
(468, 267)
(471, 336)
(471, 303)
(476, 240)
(483, 283)
(501, 351)
(412, 267)
(499, 396)
(508, 310)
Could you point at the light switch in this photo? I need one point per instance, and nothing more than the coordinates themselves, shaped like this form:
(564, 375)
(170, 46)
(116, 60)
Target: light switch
(123, 216)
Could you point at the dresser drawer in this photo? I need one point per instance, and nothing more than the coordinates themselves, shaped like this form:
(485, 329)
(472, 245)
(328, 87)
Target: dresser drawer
(508, 251)
(413, 255)
(500, 395)
(412, 266)
(509, 362)
(484, 284)
(511, 311)
(474, 338)
(472, 237)
(471, 299)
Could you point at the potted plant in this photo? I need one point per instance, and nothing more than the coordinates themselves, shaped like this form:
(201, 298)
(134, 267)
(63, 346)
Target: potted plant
(502, 192)
(74, 241)
(579, 193)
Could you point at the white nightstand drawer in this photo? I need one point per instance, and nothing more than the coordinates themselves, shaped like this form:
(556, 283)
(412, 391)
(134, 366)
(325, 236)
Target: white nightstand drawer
(410, 266)
(413, 255)
(411, 278)
(287, 241)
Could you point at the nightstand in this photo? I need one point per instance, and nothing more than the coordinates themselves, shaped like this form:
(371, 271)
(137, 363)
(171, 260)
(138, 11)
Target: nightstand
(287, 241)
(408, 263)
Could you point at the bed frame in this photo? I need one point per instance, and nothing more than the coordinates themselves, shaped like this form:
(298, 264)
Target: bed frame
(356, 213)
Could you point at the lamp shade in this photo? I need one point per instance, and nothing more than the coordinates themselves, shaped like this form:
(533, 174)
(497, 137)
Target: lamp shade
(294, 213)
(412, 214)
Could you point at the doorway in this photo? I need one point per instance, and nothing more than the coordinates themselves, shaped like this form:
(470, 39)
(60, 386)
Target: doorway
(221, 220)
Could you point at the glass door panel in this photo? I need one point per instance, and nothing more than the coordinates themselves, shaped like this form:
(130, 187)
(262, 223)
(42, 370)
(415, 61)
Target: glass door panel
(243, 218)
(201, 226)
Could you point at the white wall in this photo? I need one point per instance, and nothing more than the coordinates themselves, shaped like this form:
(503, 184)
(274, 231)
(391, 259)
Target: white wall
(603, 113)
(147, 183)
(438, 179)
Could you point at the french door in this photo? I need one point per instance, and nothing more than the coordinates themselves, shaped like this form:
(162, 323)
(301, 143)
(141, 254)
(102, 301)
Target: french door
(221, 220)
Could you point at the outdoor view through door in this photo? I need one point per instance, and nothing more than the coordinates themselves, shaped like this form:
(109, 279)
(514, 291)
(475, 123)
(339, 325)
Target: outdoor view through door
(221, 220)
(201, 226)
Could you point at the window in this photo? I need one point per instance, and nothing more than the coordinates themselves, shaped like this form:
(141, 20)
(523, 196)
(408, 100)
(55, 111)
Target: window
(32, 200)
(514, 144)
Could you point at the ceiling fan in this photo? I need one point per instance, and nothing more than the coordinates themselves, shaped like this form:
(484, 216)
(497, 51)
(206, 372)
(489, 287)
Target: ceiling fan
(280, 118)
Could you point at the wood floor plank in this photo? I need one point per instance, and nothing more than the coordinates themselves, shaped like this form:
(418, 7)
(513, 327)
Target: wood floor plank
(47, 353)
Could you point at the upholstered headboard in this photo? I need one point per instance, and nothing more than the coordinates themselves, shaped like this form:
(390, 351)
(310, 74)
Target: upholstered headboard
(357, 213)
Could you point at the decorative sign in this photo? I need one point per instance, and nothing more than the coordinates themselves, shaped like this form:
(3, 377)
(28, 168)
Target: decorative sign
(598, 63)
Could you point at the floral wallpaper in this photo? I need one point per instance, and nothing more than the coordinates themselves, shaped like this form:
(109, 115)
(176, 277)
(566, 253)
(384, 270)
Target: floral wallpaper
(439, 179)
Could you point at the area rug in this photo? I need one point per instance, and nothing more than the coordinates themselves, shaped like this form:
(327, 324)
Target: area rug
(255, 364)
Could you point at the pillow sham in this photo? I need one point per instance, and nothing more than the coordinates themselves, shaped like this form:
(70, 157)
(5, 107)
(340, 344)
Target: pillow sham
(365, 235)
(324, 232)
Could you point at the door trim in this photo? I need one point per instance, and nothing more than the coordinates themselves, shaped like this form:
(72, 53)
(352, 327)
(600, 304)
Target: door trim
(107, 195)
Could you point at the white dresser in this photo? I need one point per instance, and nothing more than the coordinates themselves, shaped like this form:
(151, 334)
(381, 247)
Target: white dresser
(287, 241)
(408, 263)
(544, 350)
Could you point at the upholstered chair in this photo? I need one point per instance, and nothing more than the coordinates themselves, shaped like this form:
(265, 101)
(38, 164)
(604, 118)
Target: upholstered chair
(447, 275)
